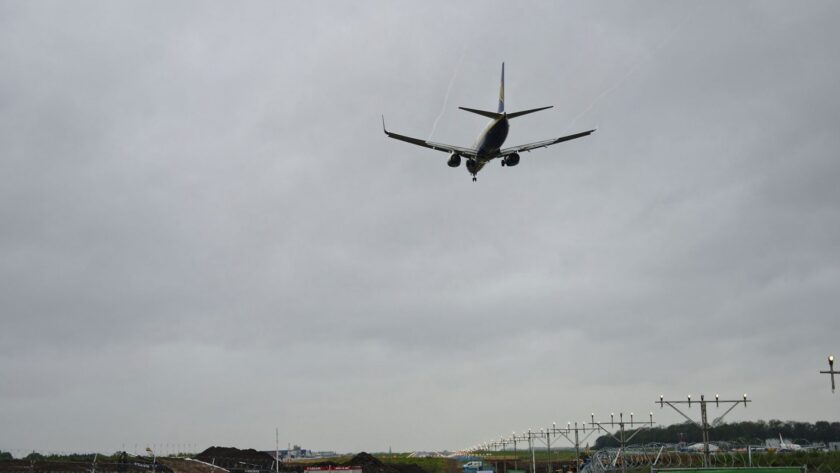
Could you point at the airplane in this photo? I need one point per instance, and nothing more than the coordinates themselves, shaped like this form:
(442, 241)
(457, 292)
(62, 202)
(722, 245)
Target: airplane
(788, 447)
(488, 145)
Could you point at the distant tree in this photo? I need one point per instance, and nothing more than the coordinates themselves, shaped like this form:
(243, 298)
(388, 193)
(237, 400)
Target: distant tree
(749, 432)
(34, 456)
(5, 456)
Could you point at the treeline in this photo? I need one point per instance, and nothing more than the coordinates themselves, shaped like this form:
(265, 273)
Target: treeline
(748, 432)
(69, 457)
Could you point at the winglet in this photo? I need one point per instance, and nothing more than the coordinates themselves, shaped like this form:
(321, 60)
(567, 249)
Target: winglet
(383, 125)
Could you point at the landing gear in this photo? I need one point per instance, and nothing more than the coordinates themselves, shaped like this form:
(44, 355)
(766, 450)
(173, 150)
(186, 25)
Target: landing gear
(475, 178)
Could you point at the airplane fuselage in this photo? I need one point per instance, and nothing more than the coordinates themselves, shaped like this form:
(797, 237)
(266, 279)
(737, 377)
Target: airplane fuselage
(490, 141)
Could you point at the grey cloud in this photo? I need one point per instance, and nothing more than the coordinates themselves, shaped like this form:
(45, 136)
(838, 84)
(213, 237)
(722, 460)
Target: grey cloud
(206, 235)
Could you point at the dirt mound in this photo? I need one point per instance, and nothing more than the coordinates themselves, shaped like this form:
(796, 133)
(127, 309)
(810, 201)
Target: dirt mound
(236, 459)
(370, 464)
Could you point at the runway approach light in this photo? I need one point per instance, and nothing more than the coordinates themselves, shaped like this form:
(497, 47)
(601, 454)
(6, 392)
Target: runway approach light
(689, 401)
(717, 400)
(661, 401)
(745, 399)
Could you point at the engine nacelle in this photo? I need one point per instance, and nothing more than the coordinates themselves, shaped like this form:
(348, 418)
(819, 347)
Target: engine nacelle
(510, 160)
(454, 160)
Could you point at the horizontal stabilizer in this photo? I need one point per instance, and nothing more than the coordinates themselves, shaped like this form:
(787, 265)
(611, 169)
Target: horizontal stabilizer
(484, 113)
(526, 112)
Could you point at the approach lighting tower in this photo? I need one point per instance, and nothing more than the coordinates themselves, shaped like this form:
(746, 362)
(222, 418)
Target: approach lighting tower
(577, 430)
(704, 423)
(622, 439)
(831, 370)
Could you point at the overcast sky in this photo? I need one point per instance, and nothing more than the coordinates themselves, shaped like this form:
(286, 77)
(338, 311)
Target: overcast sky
(205, 235)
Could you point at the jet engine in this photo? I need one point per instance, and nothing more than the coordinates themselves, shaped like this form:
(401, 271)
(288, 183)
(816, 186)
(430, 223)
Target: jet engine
(454, 160)
(510, 160)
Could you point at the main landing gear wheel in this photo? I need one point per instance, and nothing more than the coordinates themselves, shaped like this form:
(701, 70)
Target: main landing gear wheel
(475, 178)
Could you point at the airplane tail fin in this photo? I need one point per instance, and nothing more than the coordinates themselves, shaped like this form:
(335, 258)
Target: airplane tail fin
(502, 91)
(501, 113)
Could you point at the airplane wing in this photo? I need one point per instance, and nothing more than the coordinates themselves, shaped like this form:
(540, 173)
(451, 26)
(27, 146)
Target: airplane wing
(466, 152)
(543, 144)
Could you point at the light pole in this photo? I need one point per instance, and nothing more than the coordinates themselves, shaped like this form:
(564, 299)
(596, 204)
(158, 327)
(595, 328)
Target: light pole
(503, 443)
(622, 439)
(831, 370)
(567, 432)
(704, 423)
(531, 446)
(548, 433)
(515, 453)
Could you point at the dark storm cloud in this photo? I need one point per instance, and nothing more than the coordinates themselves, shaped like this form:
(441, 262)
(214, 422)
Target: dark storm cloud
(205, 234)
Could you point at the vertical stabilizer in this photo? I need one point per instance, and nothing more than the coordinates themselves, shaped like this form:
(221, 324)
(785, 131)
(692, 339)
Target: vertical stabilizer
(502, 91)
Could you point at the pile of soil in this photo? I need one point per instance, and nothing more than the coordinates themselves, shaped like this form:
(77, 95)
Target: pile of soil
(235, 459)
(370, 464)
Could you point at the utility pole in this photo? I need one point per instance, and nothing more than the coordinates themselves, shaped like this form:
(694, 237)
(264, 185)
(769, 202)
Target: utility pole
(831, 370)
(704, 423)
(622, 439)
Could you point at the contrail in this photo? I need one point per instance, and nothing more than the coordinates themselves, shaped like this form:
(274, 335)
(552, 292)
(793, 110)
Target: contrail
(629, 73)
(446, 97)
